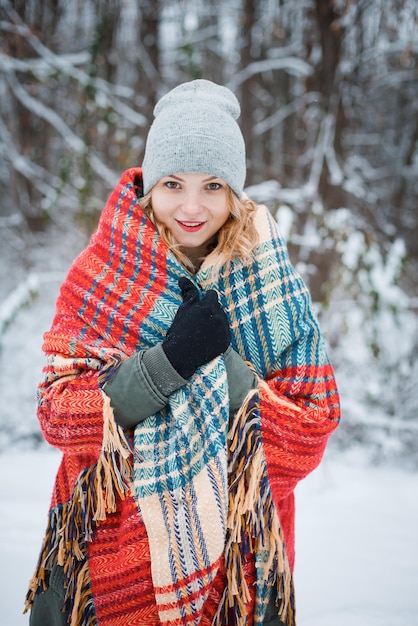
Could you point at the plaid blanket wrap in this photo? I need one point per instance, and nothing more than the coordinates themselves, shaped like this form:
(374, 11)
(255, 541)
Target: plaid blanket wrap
(202, 486)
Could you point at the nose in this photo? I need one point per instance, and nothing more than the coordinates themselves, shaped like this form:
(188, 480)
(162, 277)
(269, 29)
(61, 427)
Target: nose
(191, 204)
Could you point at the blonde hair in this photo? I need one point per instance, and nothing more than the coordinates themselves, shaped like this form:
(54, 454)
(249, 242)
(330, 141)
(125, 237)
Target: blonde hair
(237, 238)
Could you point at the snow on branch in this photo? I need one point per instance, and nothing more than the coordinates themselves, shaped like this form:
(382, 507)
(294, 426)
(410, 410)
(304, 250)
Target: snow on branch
(44, 112)
(70, 138)
(24, 293)
(387, 48)
(285, 111)
(66, 64)
(292, 65)
(10, 221)
(324, 150)
(21, 296)
(394, 425)
(40, 65)
(37, 175)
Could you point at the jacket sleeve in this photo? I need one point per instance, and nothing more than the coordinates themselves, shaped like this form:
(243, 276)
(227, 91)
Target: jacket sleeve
(241, 379)
(141, 385)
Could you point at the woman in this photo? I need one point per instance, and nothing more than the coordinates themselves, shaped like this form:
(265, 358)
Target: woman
(189, 390)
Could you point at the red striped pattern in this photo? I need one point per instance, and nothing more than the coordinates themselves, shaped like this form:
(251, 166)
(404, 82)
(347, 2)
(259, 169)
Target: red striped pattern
(295, 434)
(120, 569)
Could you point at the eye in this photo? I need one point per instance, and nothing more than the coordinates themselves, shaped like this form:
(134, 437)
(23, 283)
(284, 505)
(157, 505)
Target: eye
(171, 184)
(214, 186)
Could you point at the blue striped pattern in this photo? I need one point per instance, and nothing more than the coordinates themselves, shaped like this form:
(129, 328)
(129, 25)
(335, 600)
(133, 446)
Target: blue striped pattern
(179, 441)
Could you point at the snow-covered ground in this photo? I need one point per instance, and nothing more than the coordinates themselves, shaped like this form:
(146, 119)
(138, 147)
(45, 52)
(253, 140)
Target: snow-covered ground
(356, 542)
(357, 547)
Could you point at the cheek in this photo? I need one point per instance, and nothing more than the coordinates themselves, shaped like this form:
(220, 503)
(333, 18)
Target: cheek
(222, 214)
(158, 214)
(160, 208)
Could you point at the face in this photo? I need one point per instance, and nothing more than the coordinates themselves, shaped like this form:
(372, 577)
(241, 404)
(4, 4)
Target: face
(193, 206)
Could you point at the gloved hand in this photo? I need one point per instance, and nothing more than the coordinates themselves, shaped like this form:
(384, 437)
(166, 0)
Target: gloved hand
(199, 332)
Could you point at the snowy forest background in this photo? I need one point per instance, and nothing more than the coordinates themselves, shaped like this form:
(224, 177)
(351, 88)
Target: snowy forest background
(329, 94)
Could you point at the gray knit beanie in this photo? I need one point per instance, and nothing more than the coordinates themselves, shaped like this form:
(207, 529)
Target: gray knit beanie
(194, 131)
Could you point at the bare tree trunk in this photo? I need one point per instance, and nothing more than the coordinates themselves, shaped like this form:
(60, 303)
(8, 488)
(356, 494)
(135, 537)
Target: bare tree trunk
(403, 213)
(104, 54)
(248, 19)
(330, 39)
(330, 33)
(149, 79)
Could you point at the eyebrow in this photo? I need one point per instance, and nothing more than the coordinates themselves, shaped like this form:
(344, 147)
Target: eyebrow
(205, 180)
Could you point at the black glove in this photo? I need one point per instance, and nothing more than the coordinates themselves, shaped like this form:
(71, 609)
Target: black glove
(199, 332)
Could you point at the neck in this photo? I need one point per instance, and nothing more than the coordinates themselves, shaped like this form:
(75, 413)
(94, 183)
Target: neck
(198, 254)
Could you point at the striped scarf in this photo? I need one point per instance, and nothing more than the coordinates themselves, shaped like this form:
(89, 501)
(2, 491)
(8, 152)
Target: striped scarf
(201, 484)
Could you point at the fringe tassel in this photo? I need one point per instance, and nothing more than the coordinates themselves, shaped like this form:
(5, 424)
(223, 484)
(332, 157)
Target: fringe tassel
(72, 525)
(114, 470)
(46, 557)
(83, 613)
(253, 526)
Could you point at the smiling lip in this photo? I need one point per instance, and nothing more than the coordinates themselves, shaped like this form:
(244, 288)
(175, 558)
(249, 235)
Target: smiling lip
(190, 227)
